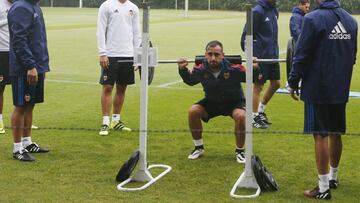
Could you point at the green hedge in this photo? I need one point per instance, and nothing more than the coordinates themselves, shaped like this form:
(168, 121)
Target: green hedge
(352, 6)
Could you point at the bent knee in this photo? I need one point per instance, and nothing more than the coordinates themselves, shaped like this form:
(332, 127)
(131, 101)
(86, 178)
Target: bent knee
(196, 110)
(239, 116)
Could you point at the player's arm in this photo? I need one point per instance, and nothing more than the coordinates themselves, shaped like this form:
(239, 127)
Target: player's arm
(20, 20)
(304, 51)
(256, 26)
(101, 35)
(295, 27)
(189, 77)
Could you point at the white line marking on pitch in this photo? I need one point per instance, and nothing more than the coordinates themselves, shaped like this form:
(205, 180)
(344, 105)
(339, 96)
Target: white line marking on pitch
(95, 83)
(169, 83)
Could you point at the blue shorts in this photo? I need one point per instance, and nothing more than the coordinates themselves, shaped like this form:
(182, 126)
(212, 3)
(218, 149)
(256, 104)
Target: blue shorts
(266, 72)
(323, 119)
(24, 94)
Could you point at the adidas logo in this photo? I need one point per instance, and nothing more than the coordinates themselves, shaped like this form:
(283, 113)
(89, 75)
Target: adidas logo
(267, 19)
(339, 32)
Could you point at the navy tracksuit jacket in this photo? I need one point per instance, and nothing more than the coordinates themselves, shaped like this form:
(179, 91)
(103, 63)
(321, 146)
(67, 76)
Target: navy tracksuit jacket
(225, 88)
(28, 43)
(325, 54)
(296, 22)
(265, 31)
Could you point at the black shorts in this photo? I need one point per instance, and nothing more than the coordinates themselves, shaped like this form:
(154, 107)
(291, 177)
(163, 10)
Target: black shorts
(325, 118)
(266, 72)
(119, 73)
(215, 109)
(24, 94)
(4, 68)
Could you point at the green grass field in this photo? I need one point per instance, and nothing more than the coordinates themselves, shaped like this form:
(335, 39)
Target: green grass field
(82, 165)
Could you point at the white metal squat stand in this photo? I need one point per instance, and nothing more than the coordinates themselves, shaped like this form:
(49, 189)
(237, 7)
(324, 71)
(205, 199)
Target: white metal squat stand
(247, 178)
(143, 174)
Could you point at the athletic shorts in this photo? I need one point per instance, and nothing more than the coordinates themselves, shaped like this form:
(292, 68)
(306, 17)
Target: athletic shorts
(266, 72)
(215, 109)
(4, 68)
(24, 94)
(324, 118)
(119, 73)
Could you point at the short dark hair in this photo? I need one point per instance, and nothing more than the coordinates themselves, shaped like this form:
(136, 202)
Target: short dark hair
(302, 2)
(214, 43)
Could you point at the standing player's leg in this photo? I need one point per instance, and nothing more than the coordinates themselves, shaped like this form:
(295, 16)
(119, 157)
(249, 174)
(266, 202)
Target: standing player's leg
(195, 115)
(106, 108)
(17, 125)
(33, 95)
(118, 103)
(270, 91)
(335, 145)
(322, 164)
(239, 118)
(119, 98)
(107, 82)
(319, 118)
(257, 122)
(24, 99)
(124, 74)
(273, 74)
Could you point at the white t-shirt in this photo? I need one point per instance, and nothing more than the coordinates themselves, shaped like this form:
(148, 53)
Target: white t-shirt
(4, 28)
(118, 29)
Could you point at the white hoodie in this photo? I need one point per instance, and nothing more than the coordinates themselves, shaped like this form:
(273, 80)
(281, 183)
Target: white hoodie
(4, 28)
(118, 29)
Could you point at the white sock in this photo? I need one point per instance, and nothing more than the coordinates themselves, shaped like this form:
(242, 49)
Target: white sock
(115, 117)
(17, 147)
(323, 182)
(333, 173)
(26, 141)
(198, 142)
(106, 120)
(1, 117)
(261, 107)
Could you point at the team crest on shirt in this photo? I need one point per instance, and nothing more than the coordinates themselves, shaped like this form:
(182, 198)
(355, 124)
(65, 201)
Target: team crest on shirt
(226, 75)
(116, 11)
(27, 97)
(105, 77)
(131, 12)
(36, 15)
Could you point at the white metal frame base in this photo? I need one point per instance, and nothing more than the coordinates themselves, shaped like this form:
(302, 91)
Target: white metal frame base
(144, 176)
(245, 181)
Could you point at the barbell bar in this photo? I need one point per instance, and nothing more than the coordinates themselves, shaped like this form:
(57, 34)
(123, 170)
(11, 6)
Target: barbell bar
(264, 61)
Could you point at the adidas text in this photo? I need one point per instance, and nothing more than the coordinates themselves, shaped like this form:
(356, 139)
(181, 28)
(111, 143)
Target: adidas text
(340, 36)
